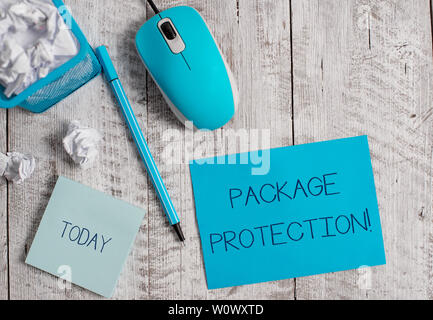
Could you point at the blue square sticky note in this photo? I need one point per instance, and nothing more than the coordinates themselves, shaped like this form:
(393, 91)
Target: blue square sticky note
(287, 212)
(85, 236)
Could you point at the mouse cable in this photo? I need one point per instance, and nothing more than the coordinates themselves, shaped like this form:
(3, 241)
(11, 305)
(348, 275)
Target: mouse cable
(154, 7)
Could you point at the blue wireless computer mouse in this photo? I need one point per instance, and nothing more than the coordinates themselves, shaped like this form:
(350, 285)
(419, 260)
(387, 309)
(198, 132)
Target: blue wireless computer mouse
(184, 60)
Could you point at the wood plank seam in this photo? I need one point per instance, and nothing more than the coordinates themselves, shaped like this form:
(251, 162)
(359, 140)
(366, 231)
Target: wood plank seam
(431, 20)
(292, 97)
(238, 10)
(148, 192)
(7, 213)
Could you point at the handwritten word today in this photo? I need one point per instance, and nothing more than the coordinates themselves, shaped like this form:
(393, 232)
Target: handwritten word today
(83, 237)
(279, 191)
(284, 233)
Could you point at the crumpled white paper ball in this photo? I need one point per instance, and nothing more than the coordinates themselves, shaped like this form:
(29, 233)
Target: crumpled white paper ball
(16, 167)
(81, 143)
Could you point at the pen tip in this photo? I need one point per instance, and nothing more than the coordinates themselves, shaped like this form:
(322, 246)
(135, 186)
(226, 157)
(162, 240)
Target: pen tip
(179, 232)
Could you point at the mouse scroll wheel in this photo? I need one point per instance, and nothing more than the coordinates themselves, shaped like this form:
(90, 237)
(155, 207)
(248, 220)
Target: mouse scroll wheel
(168, 30)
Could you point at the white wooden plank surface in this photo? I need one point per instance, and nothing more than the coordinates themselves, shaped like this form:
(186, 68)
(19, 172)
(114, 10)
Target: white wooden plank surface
(360, 67)
(365, 67)
(177, 272)
(119, 171)
(165, 251)
(261, 61)
(3, 216)
(159, 267)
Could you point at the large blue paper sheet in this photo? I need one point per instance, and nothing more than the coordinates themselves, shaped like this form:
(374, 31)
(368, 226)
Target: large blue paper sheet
(310, 209)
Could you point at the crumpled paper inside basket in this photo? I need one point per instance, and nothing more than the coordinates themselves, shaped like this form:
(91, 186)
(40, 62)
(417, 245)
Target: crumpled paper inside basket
(34, 40)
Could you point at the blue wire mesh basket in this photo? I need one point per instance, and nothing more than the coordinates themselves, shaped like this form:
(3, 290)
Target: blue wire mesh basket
(62, 81)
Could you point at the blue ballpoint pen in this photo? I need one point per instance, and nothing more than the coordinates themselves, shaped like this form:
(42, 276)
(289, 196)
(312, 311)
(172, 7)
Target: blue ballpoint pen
(143, 148)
